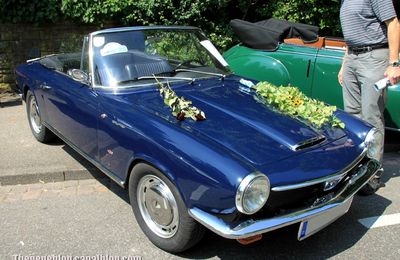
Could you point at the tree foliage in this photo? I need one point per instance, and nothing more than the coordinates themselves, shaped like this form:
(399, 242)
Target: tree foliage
(213, 16)
(29, 11)
(322, 13)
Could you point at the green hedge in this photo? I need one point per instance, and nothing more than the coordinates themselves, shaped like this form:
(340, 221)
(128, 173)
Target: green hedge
(213, 16)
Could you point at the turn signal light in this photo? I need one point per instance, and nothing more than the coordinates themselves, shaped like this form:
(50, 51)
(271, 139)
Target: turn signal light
(249, 240)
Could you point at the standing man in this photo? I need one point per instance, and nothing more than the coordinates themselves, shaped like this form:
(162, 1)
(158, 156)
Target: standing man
(372, 34)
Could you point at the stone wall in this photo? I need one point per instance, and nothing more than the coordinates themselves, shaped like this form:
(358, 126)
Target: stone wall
(17, 40)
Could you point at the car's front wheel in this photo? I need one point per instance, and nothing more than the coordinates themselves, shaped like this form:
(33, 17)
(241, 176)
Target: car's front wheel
(39, 131)
(160, 210)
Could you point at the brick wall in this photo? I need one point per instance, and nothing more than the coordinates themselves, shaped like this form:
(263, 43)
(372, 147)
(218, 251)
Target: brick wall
(17, 40)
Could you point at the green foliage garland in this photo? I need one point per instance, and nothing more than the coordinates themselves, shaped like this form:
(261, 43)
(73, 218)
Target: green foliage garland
(181, 108)
(291, 101)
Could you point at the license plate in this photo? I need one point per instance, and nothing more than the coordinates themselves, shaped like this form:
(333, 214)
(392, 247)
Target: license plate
(314, 224)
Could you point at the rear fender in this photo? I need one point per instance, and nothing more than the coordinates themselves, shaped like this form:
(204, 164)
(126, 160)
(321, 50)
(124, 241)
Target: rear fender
(262, 68)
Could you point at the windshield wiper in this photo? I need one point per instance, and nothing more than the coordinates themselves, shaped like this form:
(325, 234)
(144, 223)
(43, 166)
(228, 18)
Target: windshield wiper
(164, 77)
(222, 76)
(153, 78)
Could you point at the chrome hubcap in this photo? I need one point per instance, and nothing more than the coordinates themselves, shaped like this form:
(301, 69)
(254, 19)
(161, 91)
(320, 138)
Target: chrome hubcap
(34, 116)
(158, 206)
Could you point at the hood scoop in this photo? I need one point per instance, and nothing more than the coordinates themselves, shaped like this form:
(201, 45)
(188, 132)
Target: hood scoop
(308, 143)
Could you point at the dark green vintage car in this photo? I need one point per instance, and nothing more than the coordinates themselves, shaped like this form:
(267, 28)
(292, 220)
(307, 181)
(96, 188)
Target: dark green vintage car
(285, 53)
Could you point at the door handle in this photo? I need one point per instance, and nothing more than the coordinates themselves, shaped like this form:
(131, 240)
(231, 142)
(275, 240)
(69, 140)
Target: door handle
(44, 87)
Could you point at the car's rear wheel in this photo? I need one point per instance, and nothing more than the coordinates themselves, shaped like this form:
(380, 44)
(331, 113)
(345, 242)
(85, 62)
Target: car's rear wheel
(160, 210)
(39, 131)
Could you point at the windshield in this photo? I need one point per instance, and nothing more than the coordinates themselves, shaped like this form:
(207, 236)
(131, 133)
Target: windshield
(131, 57)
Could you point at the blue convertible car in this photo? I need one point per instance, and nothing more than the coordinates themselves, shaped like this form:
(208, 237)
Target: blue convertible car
(158, 111)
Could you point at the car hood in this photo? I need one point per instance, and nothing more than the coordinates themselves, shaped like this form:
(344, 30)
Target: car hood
(240, 123)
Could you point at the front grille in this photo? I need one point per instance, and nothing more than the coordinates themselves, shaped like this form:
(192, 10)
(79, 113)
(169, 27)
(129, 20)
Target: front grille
(285, 202)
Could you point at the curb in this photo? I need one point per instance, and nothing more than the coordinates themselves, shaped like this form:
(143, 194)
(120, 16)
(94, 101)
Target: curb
(60, 176)
(9, 102)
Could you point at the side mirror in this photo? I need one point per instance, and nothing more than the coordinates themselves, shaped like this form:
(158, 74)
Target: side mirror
(79, 75)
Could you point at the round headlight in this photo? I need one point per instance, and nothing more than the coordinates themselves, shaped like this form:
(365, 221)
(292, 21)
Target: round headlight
(374, 142)
(252, 193)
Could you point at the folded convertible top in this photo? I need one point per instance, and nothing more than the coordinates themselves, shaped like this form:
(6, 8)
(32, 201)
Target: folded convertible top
(267, 34)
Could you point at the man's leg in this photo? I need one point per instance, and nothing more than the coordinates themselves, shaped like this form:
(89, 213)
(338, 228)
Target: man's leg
(371, 69)
(351, 88)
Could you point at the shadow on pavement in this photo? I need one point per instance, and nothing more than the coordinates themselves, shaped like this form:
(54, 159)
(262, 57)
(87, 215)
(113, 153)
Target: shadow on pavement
(331, 241)
(9, 98)
(392, 142)
(11, 103)
(391, 156)
(94, 172)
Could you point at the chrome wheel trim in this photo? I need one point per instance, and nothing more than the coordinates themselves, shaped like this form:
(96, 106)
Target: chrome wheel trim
(34, 116)
(158, 206)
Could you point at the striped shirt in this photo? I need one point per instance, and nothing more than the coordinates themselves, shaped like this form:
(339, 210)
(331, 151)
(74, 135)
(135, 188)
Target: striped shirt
(363, 21)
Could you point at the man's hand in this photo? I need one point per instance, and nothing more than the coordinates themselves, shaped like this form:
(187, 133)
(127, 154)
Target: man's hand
(340, 76)
(393, 74)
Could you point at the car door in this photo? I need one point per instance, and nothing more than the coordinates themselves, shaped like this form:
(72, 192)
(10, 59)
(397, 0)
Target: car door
(72, 110)
(299, 61)
(325, 85)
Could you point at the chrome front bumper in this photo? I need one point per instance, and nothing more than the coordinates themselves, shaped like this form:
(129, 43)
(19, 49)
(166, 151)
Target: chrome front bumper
(248, 228)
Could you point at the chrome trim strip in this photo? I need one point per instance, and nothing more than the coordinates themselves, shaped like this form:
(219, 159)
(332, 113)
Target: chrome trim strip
(202, 72)
(111, 175)
(141, 28)
(392, 129)
(335, 48)
(323, 179)
(248, 228)
(330, 56)
(165, 77)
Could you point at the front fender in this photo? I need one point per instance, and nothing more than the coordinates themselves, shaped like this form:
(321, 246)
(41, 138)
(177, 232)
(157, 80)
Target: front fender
(205, 173)
(206, 177)
(257, 66)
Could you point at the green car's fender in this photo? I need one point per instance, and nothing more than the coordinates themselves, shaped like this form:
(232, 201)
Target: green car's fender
(258, 66)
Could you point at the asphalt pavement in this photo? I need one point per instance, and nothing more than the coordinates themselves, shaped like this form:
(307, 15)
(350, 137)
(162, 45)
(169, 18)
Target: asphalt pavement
(24, 160)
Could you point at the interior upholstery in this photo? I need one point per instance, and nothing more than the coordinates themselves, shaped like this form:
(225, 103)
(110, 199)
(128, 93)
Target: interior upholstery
(321, 43)
(62, 62)
(129, 65)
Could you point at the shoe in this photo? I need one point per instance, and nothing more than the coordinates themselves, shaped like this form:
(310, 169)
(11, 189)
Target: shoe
(373, 185)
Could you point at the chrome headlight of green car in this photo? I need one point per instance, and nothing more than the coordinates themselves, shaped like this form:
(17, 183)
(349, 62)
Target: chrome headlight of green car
(252, 193)
(373, 142)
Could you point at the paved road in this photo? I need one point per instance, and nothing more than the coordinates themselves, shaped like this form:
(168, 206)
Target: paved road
(25, 160)
(92, 217)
